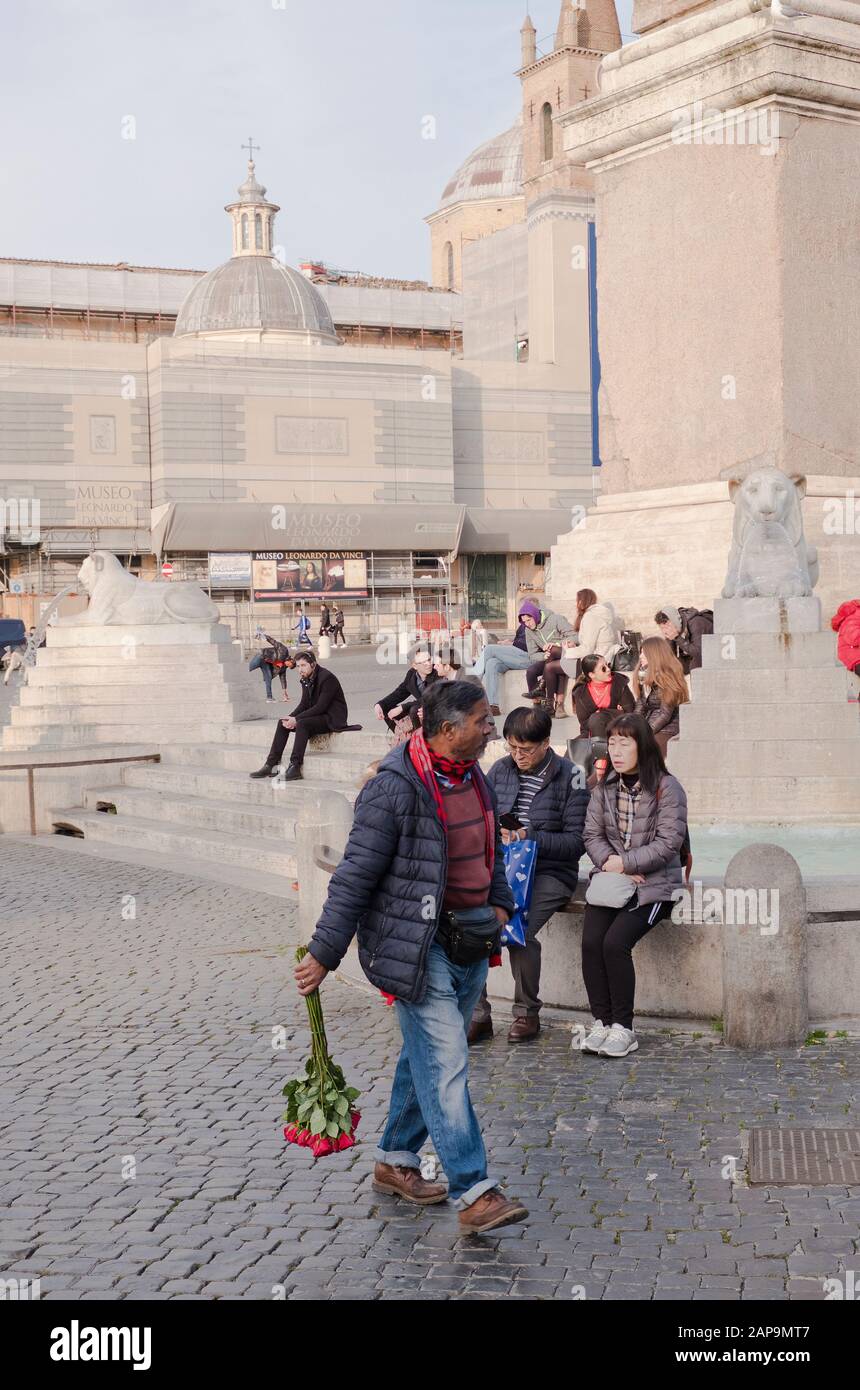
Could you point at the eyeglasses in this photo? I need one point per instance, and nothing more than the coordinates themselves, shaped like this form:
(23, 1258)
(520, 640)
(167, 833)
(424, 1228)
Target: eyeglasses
(524, 750)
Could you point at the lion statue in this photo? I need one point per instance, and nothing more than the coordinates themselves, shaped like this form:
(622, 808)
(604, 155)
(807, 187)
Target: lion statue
(117, 597)
(769, 557)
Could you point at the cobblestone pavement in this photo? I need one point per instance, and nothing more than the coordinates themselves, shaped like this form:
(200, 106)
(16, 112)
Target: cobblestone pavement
(142, 1157)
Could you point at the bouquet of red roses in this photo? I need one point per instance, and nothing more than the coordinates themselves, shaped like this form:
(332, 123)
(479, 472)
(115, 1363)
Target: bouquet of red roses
(319, 1114)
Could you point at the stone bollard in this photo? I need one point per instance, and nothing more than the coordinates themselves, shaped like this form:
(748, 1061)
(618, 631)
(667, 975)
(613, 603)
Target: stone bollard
(765, 982)
(325, 819)
(324, 648)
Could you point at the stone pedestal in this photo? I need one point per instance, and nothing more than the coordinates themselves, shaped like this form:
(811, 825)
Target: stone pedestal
(97, 685)
(771, 734)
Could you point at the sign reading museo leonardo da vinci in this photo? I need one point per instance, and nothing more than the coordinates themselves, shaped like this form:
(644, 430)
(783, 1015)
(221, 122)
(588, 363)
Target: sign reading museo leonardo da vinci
(280, 575)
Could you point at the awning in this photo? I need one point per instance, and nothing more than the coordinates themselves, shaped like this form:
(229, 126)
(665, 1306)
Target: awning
(183, 527)
(488, 531)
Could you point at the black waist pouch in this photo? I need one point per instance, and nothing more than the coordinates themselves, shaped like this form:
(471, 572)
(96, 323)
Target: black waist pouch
(469, 935)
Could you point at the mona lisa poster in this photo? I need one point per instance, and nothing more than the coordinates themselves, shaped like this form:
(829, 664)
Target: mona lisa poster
(280, 575)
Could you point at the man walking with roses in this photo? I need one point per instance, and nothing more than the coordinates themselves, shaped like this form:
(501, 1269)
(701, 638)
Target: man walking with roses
(422, 882)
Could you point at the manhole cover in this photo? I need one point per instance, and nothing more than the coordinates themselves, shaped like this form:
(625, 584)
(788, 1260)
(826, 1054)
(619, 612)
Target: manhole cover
(805, 1157)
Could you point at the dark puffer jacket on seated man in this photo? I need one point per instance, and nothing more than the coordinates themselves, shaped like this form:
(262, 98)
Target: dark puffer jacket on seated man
(546, 795)
(422, 884)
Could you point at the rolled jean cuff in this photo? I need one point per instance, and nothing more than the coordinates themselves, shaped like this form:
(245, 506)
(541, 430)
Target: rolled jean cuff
(397, 1160)
(468, 1198)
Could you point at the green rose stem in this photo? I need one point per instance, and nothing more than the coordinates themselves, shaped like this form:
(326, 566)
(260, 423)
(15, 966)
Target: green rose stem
(319, 1042)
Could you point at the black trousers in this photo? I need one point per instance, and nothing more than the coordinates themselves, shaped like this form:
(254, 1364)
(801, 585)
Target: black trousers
(608, 938)
(549, 895)
(307, 726)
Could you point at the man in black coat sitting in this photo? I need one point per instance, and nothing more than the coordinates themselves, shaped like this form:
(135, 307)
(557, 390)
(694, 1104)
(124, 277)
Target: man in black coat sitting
(422, 882)
(321, 710)
(540, 797)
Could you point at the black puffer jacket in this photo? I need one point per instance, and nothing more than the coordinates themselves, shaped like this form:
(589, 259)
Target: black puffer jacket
(390, 884)
(556, 816)
(662, 718)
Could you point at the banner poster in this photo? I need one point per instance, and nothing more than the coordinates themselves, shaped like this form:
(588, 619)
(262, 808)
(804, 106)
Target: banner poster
(230, 571)
(281, 575)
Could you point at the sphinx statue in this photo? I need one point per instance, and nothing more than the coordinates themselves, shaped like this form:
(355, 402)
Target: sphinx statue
(118, 597)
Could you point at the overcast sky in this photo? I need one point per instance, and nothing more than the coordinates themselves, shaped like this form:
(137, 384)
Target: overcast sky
(333, 91)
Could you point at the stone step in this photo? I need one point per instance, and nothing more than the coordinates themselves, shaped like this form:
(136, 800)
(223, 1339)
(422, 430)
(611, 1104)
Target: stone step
(735, 684)
(139, 713)
(190, 811)
(140, 691)
(190, 843)
(111, 637)
(772, 800)
(763, 722)
(817, 757)
(227, 788)
(318, 767)
(755, 650)
(64, 737)
(367, 743)
(117, 672)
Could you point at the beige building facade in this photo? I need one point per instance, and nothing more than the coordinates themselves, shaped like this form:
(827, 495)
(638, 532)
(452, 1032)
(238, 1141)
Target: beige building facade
(262, 398)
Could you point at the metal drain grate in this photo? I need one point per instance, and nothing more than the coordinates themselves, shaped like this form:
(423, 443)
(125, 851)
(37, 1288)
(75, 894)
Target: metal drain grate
(805, 1157)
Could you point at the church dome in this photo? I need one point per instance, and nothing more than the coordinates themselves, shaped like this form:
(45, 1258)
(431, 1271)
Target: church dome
(494, 170)
(255, 294)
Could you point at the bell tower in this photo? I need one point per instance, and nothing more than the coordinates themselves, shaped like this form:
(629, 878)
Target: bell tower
(556, 80)
(558, 191)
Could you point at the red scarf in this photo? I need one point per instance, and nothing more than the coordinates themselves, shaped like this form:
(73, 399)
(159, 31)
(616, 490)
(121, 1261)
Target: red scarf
(427, 764)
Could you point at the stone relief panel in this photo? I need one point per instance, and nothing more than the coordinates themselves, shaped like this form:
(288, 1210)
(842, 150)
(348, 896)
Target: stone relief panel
(103, 434)
(499, 446)
(311, 435)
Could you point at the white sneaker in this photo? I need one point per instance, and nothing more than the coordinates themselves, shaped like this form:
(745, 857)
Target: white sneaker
(596, 1038)
(619, 1042)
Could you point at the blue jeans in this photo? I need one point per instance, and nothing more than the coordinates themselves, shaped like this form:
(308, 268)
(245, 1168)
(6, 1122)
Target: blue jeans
(497, 660)
(258, 664)
(431, 1088)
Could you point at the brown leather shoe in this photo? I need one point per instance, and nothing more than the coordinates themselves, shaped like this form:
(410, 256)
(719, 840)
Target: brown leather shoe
(524, 1029)
(492, 1210)
(408, 1184)
(479, 1029)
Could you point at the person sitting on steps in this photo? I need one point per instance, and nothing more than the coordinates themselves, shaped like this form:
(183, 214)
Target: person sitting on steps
(321, 710)
(597, 690)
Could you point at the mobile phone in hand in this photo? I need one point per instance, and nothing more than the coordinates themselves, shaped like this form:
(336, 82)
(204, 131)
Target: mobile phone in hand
(509, 821)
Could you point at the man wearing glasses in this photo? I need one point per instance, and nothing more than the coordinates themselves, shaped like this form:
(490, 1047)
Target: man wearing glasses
(540, 797)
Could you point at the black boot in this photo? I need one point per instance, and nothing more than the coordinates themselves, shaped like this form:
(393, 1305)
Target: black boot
(265, 771)
(293, 773)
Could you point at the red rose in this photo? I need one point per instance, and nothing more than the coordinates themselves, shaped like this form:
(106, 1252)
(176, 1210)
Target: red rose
(321, 1147)
(304, 1139)
(345, 1141)
(291, 1134)
(355, 1117)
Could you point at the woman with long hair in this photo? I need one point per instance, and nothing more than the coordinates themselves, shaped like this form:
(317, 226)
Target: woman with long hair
(635, 831)
(660, 688)
(598, 695)
(597, 626)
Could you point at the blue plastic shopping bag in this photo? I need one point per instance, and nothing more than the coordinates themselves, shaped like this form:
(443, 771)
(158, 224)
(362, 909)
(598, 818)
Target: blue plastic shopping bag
(520, 861)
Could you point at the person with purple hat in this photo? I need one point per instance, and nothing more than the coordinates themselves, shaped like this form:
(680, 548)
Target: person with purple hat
(544, 630)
